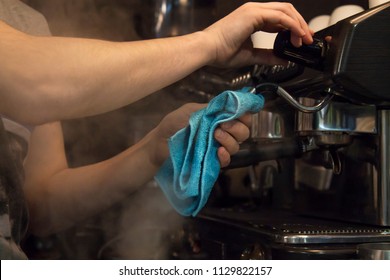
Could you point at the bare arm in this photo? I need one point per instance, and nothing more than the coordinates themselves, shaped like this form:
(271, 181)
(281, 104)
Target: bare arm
(44, 79)
(59, 197)
(61, 78)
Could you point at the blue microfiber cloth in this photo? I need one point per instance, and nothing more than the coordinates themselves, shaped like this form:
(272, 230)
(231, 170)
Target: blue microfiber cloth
(190, 172)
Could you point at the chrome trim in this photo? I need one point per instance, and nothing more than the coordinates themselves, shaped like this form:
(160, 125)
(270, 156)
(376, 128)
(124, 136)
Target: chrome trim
(302, 107)
(384, 173)
(332, 238)
(337, 117)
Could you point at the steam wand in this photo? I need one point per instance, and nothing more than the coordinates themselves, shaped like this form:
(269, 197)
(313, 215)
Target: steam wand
(274, 88)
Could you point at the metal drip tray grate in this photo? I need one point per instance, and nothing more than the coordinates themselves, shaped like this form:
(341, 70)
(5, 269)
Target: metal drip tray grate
(338, 231)
(289, 228)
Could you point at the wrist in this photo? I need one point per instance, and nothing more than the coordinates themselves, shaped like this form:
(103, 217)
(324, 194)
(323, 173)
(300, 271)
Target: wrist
(157, 148)
(207, 45)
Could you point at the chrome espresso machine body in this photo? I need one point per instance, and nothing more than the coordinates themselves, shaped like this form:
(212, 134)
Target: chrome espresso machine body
(347, 175)
(319, 157)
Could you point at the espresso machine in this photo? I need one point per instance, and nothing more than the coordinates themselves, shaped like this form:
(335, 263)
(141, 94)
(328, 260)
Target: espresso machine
(318, 160)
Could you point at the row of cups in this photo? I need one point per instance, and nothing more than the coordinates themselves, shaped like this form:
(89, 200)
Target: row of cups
(266, 40)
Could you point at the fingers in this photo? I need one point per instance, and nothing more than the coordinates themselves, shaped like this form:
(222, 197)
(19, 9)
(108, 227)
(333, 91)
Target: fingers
(246, 119)
(230, 36)
(238, 131)
(223, 156)
(226, 140)
(307, 38)
(229, 135)
(278, 16)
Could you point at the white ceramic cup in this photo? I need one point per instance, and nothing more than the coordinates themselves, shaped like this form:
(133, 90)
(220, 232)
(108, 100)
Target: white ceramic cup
(319, 22)
(343, 12)
(374, 3)
(263, 40)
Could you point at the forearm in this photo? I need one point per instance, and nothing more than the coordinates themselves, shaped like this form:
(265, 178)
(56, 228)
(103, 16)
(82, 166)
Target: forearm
(59, 197)
(73, 195)
(68, 78)
(49, 78)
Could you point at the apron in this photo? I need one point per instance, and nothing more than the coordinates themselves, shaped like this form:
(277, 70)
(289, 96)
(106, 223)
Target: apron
(13, 210)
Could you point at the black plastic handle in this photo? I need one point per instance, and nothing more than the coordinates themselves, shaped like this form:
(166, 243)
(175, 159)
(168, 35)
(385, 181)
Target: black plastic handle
(308, 55)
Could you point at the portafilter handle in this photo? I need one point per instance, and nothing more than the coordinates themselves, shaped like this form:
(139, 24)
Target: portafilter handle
(308, 55)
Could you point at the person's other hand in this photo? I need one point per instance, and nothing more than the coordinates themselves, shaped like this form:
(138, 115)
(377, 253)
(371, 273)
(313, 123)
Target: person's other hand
(230, 36)
(228, 134)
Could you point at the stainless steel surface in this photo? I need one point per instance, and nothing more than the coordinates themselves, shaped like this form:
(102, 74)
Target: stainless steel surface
(383, 192)
(288, 228)
(337, 117)
(374, 251)
(313, 176)
(356, 45)
(352, 131)
(331, 138)
(333, 167)
(267, 125)
(336, 236)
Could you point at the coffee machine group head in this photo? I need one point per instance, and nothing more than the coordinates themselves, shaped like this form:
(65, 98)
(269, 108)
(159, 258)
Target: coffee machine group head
(353, 55)
(341, 131)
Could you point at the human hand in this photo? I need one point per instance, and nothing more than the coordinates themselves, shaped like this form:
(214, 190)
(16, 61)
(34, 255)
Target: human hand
(228, 134)
(231, 35)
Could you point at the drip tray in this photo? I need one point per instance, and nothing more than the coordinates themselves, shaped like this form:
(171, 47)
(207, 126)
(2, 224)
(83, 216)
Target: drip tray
(290, 228)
